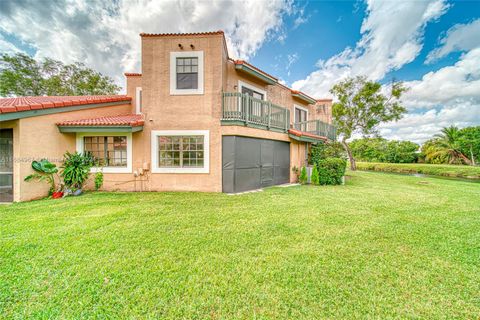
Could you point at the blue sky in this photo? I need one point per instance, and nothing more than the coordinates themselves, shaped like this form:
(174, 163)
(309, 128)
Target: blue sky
(331, 26)
(432, 45)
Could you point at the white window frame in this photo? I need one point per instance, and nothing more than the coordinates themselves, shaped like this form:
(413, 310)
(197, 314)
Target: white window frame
(173, 72)
(295, 114)
(242, 84)
(206, 150)
(127, 169)
(138, 100)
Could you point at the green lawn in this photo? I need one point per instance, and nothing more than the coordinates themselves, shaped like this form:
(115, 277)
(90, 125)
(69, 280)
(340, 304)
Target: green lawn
(446, 170)
(382, 246)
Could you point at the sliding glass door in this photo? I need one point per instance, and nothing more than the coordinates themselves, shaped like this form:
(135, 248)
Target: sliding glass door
(6, 165)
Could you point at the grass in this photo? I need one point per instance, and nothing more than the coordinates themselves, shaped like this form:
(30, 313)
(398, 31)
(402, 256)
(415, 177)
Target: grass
(467, 172)
(382, 246)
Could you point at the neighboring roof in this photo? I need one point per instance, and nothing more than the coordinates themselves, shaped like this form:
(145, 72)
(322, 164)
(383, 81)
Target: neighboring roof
(131, 120)
(305, 136)
(324, 100)
(21, 104)
(120, 123)
(131, 74)
(219, 32)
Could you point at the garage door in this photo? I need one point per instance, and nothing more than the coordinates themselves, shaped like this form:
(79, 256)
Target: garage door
(250, 163)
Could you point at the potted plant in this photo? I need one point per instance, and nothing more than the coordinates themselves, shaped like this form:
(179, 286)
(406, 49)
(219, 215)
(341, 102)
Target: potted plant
(76, 170)
(47, 171)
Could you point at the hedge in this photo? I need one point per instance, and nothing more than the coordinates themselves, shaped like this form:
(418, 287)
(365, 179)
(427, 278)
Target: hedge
(331, 171)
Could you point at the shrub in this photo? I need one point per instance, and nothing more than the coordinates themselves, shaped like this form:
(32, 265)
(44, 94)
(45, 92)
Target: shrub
(98, 180)
(303, 176)
(326, 150)
(331, 171)
(315, 178)
(45, 171)
(76, 169)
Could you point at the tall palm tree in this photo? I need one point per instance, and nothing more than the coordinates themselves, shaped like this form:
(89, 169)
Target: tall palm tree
(445, 145)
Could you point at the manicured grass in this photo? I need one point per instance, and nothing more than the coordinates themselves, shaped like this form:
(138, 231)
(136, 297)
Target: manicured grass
(468, 172)
(382, 246)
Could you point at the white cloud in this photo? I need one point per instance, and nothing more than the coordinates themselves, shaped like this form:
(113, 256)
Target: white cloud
(419, 127)
(392, 35)
(461, 37)
(451, 93)
(105, 35)
(459, 82)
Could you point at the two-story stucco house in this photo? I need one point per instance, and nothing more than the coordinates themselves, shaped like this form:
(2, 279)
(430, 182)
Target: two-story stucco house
(193, 120)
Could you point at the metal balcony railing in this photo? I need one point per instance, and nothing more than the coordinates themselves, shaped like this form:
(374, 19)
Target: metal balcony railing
(317, 127)
(239, 107)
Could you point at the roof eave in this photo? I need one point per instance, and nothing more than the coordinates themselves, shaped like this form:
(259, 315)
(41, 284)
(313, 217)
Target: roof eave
(256, 74)
(87, 128)
(304, 97)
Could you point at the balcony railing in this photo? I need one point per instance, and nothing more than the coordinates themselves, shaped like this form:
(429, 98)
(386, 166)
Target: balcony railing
(318, 128)
(239, 107)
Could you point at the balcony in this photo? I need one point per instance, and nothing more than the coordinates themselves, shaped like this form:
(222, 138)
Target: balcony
(242, 109)
(239, 108)
(318, 128)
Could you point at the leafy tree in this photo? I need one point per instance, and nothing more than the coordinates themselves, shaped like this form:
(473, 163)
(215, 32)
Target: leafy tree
(383, 150)
(362, 106)
(401, 152)
(21, 75)
(369, 149)
(445, 148)
(469, 143)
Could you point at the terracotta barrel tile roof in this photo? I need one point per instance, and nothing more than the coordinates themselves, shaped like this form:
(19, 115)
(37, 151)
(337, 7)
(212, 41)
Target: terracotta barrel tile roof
(219, 32)
(132, 74)
(19, 104)
(128, 120)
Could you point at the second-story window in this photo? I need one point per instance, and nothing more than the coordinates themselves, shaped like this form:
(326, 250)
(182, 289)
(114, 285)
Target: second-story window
(300, 114)
(187, 73)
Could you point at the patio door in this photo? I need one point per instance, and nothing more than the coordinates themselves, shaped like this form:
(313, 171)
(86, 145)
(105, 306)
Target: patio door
(255, 108)
(6, 165)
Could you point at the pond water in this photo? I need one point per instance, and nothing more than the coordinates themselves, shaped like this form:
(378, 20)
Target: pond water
(421, 175)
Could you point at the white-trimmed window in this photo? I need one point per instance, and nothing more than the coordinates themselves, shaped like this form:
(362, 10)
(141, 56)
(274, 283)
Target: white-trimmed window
(180, 151)
(301, 114)
(138, 100)
(112, 150)
(251, 90)
(186, 72)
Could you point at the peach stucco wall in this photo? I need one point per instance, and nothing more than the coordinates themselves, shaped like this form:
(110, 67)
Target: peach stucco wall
(38, 137)
(180, 112)
(133, 82)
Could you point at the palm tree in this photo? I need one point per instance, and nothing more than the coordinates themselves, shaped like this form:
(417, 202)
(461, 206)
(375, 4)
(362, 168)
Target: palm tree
(445, 146)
